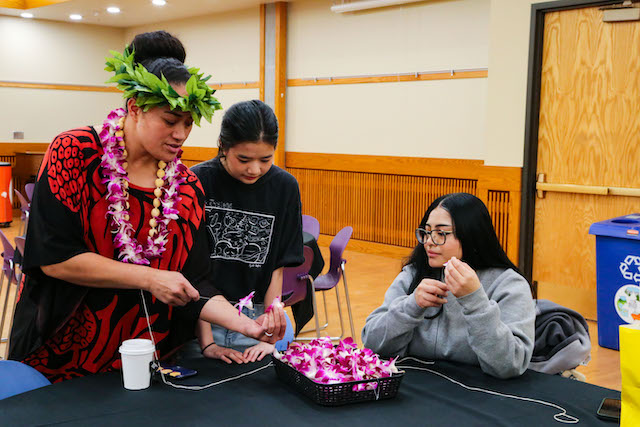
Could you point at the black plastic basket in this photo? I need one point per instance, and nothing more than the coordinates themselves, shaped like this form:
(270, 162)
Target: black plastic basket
(340, 393)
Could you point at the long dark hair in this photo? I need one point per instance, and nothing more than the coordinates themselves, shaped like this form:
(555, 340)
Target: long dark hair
(472, 226)
(248, 121)
(161, 54)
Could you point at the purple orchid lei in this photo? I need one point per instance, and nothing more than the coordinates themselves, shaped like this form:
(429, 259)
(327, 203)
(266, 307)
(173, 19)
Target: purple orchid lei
(324, 363)
(116, 179)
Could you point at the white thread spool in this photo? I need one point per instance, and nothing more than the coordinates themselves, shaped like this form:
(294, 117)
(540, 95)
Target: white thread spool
(137, 355)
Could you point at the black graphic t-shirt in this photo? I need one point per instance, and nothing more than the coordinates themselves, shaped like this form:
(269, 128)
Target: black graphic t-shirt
(254, 229)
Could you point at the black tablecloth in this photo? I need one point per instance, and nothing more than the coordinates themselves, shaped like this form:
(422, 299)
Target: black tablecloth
(261, 399)
(303, 310)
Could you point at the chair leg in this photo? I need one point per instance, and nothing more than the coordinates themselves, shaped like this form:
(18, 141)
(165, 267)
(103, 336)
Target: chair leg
(316, 314)
(22, 230)
(3, 313)
(346, 292)
(315, 307)
(13, 312)
(326, 315)
(339, 315)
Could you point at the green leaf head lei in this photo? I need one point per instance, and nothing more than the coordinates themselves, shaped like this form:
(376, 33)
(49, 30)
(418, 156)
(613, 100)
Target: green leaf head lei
(150, 91)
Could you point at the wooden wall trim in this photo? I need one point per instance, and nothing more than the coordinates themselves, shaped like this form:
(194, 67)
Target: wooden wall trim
(91, 88)
(263, 18)
(240, 85)
(199, 154)
(405, 77)
(490, 177)
(503, 178)
(28, 4)
(13, 4)
(56, 86)
(31, 4)
(10, 148)
(394, 165)
(280, 101)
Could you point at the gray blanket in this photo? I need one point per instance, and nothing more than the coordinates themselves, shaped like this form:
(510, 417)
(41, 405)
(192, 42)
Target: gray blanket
(562, 339)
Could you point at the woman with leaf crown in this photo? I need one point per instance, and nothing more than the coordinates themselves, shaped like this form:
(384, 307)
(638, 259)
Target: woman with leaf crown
(116, 244)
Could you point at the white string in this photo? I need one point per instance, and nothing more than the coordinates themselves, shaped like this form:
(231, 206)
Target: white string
(189, 387)
(568, 419)
(202, 387)
(376, 391)
(561, 417)
(146, 313)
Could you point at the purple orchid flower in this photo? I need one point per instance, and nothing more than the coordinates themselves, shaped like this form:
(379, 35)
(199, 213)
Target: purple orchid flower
(276, 300)
(245, 302)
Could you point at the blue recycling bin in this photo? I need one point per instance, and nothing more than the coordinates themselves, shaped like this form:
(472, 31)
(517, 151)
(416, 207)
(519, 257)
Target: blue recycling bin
(618, 275)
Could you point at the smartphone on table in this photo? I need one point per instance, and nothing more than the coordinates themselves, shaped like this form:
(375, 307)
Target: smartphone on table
(609, 409)
(177, 372)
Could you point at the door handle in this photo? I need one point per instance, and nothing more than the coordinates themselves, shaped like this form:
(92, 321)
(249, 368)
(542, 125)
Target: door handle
(600, 190)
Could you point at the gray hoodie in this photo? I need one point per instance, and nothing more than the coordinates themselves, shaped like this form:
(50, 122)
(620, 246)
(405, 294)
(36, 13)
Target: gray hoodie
(492, 327)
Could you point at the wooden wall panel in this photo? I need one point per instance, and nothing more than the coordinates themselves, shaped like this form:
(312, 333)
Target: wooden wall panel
(382, 198)
(193, 155)
(380, 208)
(499, 207)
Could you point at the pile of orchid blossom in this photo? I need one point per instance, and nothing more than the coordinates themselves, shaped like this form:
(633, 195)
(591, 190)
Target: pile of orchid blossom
(116, 179)
(323, 363)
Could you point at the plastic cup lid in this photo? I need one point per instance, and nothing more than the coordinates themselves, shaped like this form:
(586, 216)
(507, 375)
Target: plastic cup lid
(137, 346)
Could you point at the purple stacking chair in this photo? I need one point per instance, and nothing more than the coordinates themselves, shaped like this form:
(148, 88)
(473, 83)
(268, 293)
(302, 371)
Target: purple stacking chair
(311, 226)
(331, 278)
(294, 286)
(20, 242)
(28, 189)
(294, 283)
(8, 272)
(24, 208)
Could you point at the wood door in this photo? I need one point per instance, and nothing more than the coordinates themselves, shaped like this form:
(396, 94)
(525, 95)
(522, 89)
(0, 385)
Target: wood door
(589, 131)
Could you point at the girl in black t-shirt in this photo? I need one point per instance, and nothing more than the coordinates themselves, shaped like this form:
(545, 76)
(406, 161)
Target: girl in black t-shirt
(254, 223)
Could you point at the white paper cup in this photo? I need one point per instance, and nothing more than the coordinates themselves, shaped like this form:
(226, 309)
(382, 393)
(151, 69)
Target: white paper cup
(137, 355)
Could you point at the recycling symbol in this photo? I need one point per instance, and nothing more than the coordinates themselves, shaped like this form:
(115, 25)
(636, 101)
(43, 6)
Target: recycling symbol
(630, 268)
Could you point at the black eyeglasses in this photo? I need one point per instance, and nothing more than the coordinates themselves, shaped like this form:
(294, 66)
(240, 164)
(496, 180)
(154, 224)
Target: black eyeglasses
(438, 237)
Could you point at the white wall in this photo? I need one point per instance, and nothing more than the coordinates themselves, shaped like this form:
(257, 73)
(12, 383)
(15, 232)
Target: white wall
(36, 51)
(479, 118)
(42, 114)
(419, 119)
(442, 119)
(508, 67)
(427, 36)
(225, 45)
(207, 134)
(55, 52)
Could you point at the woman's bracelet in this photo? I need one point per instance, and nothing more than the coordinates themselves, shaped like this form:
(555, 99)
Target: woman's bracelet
(206, 347)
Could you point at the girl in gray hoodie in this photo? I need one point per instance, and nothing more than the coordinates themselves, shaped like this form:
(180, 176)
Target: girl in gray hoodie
(458, 297)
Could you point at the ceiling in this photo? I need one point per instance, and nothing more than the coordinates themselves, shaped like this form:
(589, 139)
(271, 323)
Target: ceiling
(132, 12)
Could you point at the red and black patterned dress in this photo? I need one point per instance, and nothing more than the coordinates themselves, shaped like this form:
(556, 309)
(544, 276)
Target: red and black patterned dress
(65, 330)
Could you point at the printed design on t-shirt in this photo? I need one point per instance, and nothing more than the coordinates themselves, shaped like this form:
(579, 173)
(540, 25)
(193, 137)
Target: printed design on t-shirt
(239, 235)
